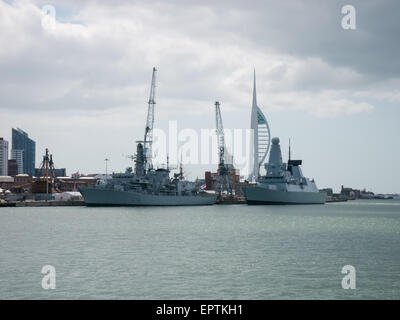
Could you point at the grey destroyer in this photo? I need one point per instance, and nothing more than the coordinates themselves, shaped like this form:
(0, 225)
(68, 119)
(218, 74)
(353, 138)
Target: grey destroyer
(283, 183)
(145, 185)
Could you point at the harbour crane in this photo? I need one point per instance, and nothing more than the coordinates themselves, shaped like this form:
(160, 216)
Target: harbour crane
(223, 168)
(148, 133)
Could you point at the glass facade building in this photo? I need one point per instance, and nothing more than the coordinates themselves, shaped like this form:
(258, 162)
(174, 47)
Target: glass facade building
(3, 157)
(21, 141)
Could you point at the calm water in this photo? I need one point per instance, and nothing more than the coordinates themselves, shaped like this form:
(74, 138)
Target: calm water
(216, 252)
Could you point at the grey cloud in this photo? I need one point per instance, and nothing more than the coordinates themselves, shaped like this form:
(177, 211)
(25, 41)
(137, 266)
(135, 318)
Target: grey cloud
(205, 51)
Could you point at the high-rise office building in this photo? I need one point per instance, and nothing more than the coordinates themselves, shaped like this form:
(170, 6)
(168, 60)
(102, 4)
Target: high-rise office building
(18, 156)
(3, 157)
(12, 167)
(21, 141)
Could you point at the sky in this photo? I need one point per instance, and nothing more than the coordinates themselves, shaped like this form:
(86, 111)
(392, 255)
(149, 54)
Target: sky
(79, 85)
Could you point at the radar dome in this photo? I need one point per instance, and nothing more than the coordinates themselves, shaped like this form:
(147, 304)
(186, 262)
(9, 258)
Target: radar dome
(275, 141)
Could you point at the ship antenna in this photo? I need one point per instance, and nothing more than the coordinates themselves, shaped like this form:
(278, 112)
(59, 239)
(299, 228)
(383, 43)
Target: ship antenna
(181, 169)
(168, 161)
(289, 149)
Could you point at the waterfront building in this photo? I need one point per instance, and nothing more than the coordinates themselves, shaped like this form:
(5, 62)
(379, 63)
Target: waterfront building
(65, 184)
(211, 180)
(364, 194)
(18, 156)
(6, 182)
(350, 193)
(328, 191)
(12, 167)
(3, 157)
(22, 179)
(21, 141)
(61, 172)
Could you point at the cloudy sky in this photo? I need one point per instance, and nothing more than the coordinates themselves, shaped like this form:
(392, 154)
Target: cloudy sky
(80, 86)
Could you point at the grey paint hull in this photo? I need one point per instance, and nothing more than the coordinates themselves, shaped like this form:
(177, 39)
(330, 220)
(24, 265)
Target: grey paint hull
(104, 197)
(258, 195)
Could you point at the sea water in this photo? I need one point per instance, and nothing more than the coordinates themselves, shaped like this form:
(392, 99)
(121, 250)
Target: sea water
(205, 252)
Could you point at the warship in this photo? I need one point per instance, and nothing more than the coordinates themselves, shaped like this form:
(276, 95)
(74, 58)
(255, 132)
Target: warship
(145, 188)
(283, 183)
(145, 185)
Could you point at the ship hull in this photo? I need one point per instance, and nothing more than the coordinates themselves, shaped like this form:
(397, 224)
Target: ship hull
(104, 197)
(263, 196)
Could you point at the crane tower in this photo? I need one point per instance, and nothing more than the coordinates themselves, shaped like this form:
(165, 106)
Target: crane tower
(223, 169)
(148, 132)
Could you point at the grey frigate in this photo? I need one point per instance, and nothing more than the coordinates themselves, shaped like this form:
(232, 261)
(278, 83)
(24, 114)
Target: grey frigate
(146, 188)
(145, 185)
(283, 183)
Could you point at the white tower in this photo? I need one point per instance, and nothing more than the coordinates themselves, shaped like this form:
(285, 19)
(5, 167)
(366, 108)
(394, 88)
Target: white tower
(261, 136)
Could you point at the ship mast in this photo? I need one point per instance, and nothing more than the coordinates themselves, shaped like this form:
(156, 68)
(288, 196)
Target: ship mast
(148, 133)
(181, 170)
(47, 170)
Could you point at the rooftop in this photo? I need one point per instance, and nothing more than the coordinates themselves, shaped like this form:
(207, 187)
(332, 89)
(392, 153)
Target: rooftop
(6, 179)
